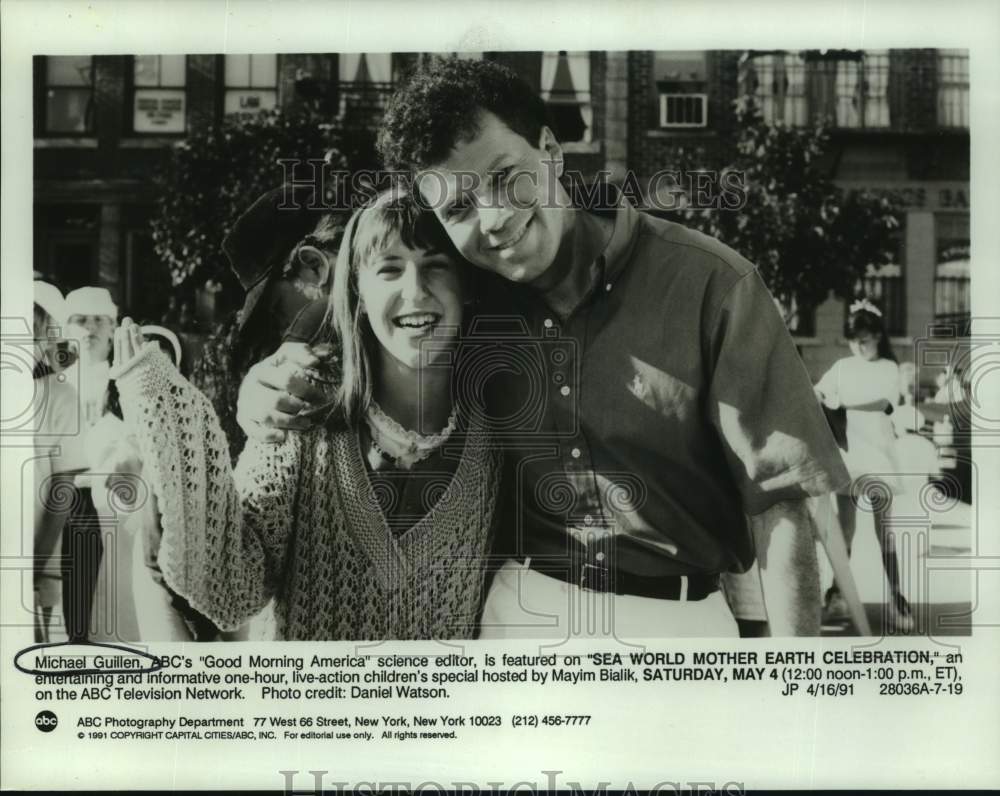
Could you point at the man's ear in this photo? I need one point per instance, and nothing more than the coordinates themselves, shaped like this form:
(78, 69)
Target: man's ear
(547, 143)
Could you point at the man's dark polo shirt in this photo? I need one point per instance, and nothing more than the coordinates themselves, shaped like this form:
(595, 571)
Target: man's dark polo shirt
(669, 404)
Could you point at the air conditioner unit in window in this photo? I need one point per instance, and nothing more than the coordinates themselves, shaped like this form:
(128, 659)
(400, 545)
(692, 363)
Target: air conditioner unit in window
(683, 110)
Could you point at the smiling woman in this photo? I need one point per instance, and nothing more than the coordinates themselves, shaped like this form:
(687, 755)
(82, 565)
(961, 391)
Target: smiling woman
(336, 524)
(397, 287)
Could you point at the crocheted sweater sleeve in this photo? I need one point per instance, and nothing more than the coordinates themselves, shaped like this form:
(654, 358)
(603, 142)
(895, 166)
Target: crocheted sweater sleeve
(225, 531)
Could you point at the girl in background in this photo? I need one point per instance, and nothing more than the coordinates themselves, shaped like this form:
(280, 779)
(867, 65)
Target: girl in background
(866, 385)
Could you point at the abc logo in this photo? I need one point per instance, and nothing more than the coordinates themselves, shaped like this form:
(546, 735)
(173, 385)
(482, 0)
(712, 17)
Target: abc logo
(46, 721)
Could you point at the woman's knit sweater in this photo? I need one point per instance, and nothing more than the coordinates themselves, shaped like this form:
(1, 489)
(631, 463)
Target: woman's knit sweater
(301, 522)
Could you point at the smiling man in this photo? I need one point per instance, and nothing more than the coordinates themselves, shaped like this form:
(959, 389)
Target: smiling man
(673, 405)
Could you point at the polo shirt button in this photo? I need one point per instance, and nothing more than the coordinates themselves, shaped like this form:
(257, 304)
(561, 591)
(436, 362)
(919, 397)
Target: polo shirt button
(548, 323)
(564, 390)
(607, 287)
(575, 453)
(599, 556)
(588, 520)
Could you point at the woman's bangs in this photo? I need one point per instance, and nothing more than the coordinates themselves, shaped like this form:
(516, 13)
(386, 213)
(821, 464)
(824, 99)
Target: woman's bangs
(400, 220)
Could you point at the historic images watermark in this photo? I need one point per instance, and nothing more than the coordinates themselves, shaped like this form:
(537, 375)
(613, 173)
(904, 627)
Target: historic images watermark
(297, 783)
(664, 191)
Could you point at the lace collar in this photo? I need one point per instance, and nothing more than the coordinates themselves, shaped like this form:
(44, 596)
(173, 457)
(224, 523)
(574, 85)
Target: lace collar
(402, 447)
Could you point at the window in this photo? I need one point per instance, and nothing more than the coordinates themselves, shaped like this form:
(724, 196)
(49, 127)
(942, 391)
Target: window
(66, 243)
(683, 110)
(251, 83)
(565, 87)
(69, 94)
(952, 273)
(159, 96)
(681, 81)
(953, 88)
(862, 90)
(884, 286)
(365, 68)
(366, 81)
(848, 88)
(779, 86)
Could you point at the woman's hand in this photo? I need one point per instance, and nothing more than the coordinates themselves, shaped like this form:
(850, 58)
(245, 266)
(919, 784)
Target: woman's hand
(828, 402)
(128, 342)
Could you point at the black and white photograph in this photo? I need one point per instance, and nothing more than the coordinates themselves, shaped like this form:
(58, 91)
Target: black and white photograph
(675, 356)
(699, 270)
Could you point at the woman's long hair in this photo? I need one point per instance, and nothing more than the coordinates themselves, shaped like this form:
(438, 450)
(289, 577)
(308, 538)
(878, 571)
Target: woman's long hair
(392, 215)
(868, 319)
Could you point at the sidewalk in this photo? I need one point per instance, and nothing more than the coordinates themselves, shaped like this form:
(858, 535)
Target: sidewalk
(933, 540)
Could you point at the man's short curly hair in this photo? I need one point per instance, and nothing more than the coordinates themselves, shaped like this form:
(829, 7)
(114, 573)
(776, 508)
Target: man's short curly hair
(439, 107)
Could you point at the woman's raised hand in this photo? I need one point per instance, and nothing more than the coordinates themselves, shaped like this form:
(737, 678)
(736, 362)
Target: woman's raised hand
(128, 341)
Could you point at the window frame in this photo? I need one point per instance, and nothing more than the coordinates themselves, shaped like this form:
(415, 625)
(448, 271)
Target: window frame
(586, 105)
(895, 313)
(664, 125)
(942, 220)
(859, 81)
(90, 120)
(132, 88)
(959, 56)
(225, 89)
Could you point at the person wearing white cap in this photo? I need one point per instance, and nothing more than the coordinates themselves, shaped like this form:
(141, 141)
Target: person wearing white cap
(56, 426)
(91, 317)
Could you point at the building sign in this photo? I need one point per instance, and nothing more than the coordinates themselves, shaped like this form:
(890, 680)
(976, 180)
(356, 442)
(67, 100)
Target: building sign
(250, 101)
(930, 196)
(159, 110)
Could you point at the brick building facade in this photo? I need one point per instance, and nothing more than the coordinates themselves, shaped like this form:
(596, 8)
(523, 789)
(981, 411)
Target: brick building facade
(899, 125)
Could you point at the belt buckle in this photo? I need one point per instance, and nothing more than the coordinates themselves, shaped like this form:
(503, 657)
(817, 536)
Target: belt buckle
(594, 577)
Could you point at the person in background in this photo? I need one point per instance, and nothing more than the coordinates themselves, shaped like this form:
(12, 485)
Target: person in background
(56, 414)
(91, 318)
(907, 417)
(279, 250)
(916, 450)
(866, 384)
(951, 386)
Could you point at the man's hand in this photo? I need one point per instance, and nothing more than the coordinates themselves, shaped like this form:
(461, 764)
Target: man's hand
(785, 539)
(277, 392)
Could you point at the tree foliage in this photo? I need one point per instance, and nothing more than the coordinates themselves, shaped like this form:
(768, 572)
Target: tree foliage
(216, 174)
(806, 236)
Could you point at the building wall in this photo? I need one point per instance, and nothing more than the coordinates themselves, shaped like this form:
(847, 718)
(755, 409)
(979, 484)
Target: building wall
(917, 160)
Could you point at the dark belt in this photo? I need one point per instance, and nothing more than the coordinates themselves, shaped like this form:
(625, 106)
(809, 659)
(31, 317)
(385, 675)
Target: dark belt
(592, 575)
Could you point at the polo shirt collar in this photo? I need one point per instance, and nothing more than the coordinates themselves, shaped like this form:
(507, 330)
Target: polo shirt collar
(591, 269)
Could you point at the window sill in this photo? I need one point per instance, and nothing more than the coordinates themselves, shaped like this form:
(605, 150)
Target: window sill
(902, 340)
(153, 142)
(679, 132)
(581, 147)
(65, 143)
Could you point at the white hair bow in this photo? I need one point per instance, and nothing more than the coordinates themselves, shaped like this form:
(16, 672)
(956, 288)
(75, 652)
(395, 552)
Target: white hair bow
(865, 304)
